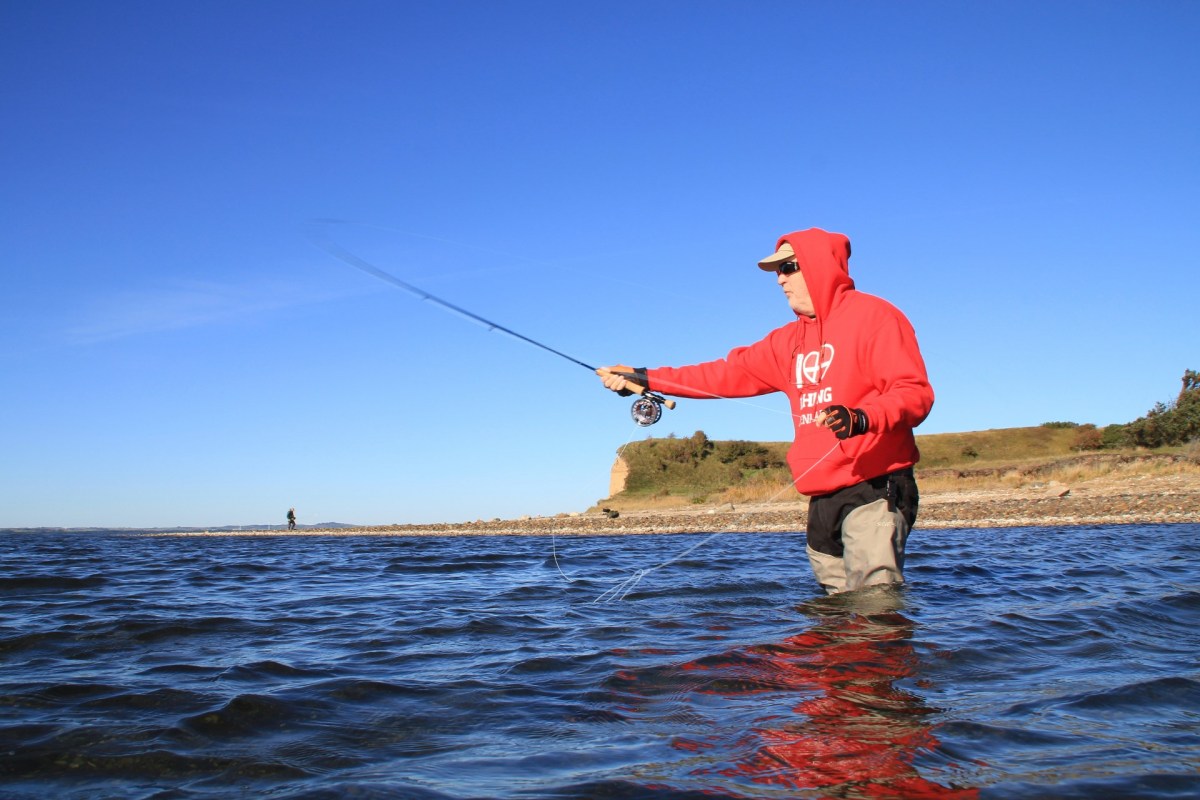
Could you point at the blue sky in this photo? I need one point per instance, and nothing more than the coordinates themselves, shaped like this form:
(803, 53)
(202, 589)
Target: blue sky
(1019, 178)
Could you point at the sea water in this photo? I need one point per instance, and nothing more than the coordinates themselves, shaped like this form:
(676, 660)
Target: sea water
(1016, 663)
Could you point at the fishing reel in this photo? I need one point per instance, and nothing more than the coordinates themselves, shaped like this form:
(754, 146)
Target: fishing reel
(647, 409)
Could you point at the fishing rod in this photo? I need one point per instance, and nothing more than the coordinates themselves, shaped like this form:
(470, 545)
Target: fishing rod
(646, 410)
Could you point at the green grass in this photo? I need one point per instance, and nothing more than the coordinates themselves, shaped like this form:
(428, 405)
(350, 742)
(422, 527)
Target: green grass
(1004, 445)
(674, 472)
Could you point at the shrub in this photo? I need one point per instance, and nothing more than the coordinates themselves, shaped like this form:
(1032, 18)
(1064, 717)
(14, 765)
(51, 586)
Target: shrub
(1114, 436)
(1088, 437)
(1174, 424)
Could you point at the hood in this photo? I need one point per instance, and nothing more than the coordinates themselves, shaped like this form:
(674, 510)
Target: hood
(824, 259)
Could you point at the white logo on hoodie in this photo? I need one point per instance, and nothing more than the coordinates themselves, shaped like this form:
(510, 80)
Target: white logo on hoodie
(812, 366)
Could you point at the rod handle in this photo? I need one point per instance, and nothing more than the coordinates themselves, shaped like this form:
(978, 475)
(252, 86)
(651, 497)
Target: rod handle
(636, 388)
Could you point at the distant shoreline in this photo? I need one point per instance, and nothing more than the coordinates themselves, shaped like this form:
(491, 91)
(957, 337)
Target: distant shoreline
(1170, 497)
(1138, 493)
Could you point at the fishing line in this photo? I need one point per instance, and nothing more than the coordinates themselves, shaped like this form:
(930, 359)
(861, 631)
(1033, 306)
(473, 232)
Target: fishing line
(554, 555)
(554, 534)
(622, 589)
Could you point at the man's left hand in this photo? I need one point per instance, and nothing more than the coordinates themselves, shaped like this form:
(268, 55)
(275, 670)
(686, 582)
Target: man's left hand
(844, 422)
(618, 378)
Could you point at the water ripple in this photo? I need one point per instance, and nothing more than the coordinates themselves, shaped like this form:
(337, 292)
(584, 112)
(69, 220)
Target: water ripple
(1027, 662)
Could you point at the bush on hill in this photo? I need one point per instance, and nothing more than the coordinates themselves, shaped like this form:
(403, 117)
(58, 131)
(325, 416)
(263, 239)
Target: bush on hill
(1167, 425)
(1088, 437)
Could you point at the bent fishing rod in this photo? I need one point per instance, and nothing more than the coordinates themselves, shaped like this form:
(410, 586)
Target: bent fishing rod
(646, 410)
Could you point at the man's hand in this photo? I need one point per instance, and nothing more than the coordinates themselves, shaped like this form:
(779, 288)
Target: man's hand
(844, 422)
(619, 383)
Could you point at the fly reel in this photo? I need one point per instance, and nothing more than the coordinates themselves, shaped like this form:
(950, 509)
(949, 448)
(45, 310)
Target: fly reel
(647, 409)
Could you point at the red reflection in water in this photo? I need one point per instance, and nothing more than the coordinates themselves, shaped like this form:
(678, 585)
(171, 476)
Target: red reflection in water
(851, 732)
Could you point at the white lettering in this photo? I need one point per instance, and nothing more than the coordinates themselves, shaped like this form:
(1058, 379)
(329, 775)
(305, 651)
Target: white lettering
(811, 399)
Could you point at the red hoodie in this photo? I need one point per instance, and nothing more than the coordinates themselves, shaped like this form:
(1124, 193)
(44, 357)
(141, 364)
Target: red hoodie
(859, 351)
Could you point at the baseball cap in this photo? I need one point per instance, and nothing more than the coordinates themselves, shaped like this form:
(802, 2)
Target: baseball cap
(772, 262)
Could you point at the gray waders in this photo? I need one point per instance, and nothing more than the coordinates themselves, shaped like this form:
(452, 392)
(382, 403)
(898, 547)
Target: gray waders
(856, 535)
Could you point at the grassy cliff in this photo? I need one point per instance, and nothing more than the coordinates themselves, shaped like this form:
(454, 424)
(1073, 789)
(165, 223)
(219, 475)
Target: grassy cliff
(678, 471)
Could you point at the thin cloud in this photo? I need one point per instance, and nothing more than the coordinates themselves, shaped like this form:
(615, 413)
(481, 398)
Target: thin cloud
(187, 304)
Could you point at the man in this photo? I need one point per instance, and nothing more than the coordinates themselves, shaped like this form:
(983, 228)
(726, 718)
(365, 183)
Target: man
(856, 382)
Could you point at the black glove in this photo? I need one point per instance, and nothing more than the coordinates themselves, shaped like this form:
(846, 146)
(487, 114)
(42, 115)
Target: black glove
(845, 422)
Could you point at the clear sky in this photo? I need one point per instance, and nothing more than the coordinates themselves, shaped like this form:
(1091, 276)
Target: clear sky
(1020, 178)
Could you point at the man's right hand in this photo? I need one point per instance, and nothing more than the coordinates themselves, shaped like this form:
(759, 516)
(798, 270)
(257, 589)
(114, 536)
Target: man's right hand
(616, 382)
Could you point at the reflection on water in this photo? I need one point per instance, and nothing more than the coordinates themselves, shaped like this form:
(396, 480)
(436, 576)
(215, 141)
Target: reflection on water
(840, 725)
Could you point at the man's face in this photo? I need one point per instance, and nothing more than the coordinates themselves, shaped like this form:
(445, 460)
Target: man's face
(795, 289)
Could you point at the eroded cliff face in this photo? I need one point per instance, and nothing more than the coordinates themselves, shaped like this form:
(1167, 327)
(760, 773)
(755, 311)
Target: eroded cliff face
(617, 477)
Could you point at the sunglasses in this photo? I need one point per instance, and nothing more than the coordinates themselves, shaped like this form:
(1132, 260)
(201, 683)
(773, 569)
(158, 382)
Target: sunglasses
(787, 268)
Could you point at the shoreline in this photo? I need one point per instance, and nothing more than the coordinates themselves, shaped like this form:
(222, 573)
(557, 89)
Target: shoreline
(1112, 499)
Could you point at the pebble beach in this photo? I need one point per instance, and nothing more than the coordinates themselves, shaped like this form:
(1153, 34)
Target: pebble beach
(1122, 497)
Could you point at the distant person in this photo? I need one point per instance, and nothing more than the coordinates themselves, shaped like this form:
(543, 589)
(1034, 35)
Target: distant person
(291, 519)
(854, 357)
